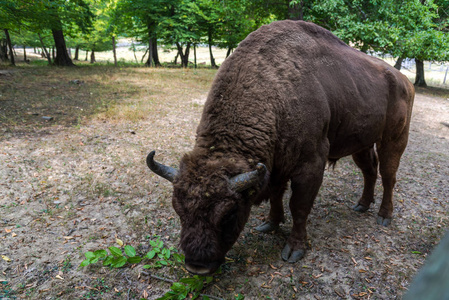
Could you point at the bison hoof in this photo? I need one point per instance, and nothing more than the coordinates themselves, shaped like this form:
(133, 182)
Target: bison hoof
(360, 208)
(291, 256)
(267, 227)
(383, 221)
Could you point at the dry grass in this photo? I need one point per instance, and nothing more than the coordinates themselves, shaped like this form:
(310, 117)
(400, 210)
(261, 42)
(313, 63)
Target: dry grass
(70, 95)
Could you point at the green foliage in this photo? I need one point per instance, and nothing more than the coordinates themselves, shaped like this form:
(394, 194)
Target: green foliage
(189, 285)
(160, 256)
(115, 259)
(411, 28)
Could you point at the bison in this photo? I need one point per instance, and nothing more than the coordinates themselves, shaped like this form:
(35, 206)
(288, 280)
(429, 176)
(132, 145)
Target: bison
(291, 98)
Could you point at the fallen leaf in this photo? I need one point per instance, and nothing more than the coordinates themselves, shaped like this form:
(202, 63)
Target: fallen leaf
(273, 267)
(8, 230)
(68, 237)
(6, 258)
(119, 242)
(59, 277)
(13, 234)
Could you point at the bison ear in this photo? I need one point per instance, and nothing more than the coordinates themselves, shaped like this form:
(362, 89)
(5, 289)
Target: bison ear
(166, 172)
(244, 181)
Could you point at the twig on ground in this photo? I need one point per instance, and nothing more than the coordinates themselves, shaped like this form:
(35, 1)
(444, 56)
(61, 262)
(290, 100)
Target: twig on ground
(172, 281)
(158, 277)
(211, 297)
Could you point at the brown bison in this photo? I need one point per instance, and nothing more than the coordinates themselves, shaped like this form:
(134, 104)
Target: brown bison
(289, 99)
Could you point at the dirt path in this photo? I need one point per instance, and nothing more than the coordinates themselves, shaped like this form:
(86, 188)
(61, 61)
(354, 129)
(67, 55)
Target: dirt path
(64, 191)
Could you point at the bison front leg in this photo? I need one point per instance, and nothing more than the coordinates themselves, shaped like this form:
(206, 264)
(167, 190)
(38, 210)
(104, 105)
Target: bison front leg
(305, 187)
(276, 215)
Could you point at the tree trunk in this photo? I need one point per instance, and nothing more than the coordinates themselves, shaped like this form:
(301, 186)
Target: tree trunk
(185, 55)
(44, 50)
(228, 52)
(209, 41)
(134, 52)
(156, 61)
(92, 57)
(194, 55)
(419, 80)
(53, 53)
(77, 53)
(3, 50)
(296, 11)
(176, 58)
(62, 57)
(398, 63)
(143, 56)
(87, 54)
(24, 54)
(149, 62)
(11, 52)
(153, 57)
(114, 51)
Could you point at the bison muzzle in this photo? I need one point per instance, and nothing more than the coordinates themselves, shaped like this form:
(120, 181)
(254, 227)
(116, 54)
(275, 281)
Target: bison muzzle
(290, 98)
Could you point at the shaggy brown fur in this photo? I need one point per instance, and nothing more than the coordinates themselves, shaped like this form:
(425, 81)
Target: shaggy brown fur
(292, 96)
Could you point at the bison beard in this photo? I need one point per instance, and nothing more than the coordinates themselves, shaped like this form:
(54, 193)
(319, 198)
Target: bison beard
(290, 98)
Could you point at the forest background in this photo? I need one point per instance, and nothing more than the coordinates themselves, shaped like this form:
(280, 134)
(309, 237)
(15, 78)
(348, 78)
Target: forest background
(409, 29)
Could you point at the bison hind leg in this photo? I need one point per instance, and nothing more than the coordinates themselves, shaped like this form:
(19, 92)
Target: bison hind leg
(368, 162)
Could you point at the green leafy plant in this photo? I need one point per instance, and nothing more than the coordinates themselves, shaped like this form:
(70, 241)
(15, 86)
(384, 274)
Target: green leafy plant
(162, 256)
(159, 256)
(115, 259)
(191, 286)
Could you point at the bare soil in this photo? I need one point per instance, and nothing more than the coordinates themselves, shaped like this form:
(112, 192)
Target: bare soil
(79, 181)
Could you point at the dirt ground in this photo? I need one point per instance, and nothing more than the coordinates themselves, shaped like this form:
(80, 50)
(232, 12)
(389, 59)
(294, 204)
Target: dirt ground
(79, 181)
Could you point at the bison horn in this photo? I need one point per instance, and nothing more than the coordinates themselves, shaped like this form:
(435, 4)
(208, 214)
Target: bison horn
(244, 181)
(166, 172)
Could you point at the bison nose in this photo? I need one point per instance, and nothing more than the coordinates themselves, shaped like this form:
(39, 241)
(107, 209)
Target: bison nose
(200, 268)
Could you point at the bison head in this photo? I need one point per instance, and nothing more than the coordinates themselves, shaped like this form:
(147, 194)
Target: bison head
(213, 204)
